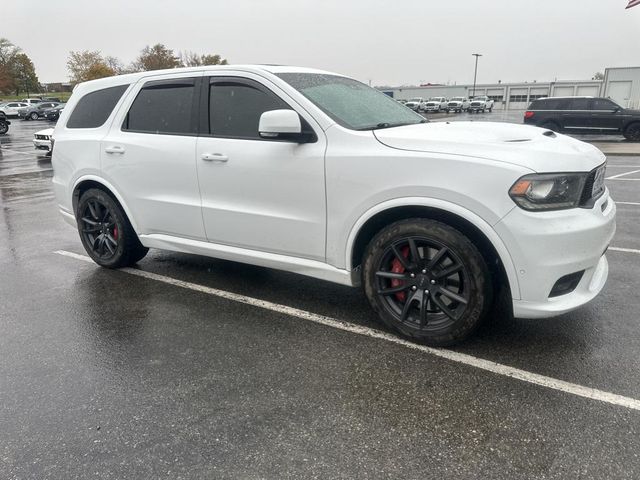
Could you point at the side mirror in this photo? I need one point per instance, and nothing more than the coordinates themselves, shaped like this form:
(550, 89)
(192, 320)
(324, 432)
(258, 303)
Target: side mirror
(280, 124)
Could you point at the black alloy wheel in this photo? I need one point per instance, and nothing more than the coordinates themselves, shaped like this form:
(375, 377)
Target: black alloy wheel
(632, 132)
(4, 128)
(427, 281)
(106, 232)
(33, 116)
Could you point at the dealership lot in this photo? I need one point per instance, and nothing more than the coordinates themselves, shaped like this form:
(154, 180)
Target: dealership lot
(189, 366)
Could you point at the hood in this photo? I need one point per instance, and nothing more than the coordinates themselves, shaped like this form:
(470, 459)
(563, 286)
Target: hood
(46, 131)
(534, 148)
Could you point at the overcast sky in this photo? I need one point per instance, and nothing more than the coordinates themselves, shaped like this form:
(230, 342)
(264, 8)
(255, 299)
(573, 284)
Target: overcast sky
(385, 42)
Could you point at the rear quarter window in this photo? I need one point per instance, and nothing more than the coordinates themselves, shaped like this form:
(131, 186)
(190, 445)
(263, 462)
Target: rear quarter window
(94, 108)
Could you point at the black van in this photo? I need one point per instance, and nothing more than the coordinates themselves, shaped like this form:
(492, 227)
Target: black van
(584, 115)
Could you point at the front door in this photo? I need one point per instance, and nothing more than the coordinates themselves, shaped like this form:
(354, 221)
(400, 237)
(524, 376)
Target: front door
(259, 194)
(606, 116)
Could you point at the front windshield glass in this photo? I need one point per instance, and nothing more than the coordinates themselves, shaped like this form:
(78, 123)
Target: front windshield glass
(456, 99)
(350, 103)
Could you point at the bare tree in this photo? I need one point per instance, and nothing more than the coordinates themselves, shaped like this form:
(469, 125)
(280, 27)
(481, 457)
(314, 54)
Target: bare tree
(156, 57)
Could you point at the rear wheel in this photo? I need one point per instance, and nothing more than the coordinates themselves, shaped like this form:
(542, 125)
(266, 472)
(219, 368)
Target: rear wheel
(105, 231)
(33, 116)
(427, 281)
(4, 128)
(632, 132)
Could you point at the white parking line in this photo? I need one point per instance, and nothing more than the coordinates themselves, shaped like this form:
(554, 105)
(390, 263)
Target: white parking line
(627, 250)
(627, 203)
(487, 365)
(622, 175)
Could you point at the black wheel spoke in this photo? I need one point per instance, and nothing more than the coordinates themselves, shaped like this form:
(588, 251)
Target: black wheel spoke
(415, 254)
(437, 257)
(392, 290)
(452, 295)
(424, 300)
(401, 258)
(93, 210)
(107, 243)
(448, 271)
(397, 276)
(407, 306)
(446, 310)
(89, 221)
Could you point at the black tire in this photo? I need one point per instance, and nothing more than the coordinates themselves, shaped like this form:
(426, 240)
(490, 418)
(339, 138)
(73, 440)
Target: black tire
(440, 269)
(491, 110)
(632, 132)
(553, 126)
(4, 128)
(105, 231)
(33, 116)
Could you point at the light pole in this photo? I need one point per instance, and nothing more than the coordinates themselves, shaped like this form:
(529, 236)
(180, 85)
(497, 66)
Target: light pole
(475, 73)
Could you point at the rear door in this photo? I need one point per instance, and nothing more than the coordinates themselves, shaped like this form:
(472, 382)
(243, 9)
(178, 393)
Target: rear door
(577, 117)
(149, 155)
(257, 193)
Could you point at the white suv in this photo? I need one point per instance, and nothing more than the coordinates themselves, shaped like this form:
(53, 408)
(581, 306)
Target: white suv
(318, 174)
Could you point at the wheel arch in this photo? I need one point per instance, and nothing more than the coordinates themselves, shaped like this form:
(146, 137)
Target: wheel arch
(630, 124)
(474, 227)
(86, 182)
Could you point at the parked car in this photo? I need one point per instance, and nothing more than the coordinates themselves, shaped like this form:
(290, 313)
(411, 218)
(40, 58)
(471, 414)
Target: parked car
(319, 174)
(10, 109)
(4, 124)
(584, 115)
(51, 99)
(42, 139)
(414, 103)
(435, 104)
(458, 104)
(31, 101)
(36, 111)
(52, 114)
(480, 104)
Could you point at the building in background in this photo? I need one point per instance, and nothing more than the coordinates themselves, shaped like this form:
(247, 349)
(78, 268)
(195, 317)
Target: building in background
(620, 84)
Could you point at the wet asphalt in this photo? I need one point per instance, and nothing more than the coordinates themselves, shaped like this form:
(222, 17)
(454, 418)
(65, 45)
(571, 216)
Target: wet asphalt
(104, 374)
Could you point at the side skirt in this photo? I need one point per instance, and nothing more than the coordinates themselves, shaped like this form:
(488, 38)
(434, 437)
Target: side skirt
(302, 266)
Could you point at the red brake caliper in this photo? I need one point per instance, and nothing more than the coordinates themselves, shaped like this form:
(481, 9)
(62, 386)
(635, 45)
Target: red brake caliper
(396, 267)
(115, 232)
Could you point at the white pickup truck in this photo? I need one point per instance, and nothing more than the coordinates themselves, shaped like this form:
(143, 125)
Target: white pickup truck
(415, 104)
(435, 104)
(481, 104)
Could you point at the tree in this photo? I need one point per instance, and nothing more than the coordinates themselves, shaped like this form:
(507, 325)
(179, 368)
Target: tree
(192, 59)
(156, 57)
(598, 76)
(87, 65)
(8, 53)
(24, 74)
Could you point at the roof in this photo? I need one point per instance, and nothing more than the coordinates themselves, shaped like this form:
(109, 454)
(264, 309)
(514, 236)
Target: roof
(134, 77)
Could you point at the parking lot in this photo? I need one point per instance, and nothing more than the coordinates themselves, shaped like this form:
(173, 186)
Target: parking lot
(193, 367)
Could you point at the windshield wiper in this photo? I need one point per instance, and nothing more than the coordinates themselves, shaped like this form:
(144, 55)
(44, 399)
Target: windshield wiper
(382, 125)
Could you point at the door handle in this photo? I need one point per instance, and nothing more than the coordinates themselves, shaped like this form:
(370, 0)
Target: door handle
(215, 157)
(114, 149)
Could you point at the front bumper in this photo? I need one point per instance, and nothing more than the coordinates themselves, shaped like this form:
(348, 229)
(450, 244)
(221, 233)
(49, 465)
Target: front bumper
(546, 246)
(42, 144)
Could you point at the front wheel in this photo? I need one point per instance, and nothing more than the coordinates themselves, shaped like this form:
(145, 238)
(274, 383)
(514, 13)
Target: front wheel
(632, 132)
(105, 231)
(427, 281)
(4, 128)
(33, 116)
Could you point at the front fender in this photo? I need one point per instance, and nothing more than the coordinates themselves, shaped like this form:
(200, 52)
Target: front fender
(444, 205)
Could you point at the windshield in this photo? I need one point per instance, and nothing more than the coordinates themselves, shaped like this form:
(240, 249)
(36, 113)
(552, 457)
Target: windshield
(350, 103)
(457, 99)
(434, 99)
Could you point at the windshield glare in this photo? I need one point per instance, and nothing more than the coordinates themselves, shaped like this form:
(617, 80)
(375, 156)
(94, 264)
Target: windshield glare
(350, 103)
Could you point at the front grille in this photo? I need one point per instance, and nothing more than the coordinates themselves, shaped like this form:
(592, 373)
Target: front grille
(42, 137)
(588, 195)
(475, 104)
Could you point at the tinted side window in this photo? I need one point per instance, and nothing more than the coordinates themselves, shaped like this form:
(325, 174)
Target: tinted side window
(579, 104)
(235, 108)
(163, 106)
(603, 104)
(94, 108)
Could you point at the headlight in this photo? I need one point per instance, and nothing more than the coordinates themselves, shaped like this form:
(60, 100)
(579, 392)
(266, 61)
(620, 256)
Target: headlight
(549, 191)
